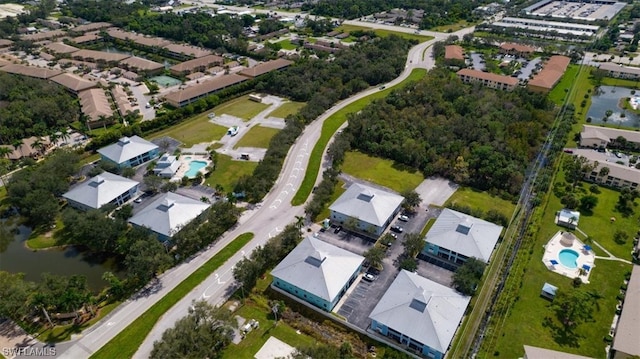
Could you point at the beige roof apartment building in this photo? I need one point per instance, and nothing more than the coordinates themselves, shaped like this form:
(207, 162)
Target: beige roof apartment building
(550, 74)
(142, 40)
(265, 67)
(31, 71)
(139, 64)
(191, 94)
(94, 104)
(494, 81)
(597, 136)
(619, 71)
(59, 48)
(453, 52)
(196, 65)
(619, 175)
(73, 83)
(98, 56)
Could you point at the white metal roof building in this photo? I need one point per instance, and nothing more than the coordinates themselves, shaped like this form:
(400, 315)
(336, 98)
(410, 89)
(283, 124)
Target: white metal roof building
(625, 342)
(456, 236)
(102, 189)
(548, 26)
(129, 151)
(167, 214)
(374, 209)
(419, 313)
(317, 272)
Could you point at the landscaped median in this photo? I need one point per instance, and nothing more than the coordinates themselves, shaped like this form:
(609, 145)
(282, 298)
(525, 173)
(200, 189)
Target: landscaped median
(330, 126)
(125, 344)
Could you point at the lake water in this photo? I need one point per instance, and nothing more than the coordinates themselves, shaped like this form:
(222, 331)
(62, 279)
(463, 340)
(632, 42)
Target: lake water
(609, 98)
(16, 258)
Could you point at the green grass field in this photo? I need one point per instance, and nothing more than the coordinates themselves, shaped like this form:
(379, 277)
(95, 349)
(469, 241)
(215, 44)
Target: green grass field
(194, 130)
(385, 33)
(330, 126)
(241, 107)
(481, 200)
(40, 239)
(125, 344)
(606, 278)
(381, 171)
(228, 171)
(559, 92)
(453, 27)
(287, 44)
(257, 136)
(288, 108)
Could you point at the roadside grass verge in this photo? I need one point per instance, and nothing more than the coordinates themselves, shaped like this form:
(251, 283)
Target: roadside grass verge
(241, 107)
(427, 227)
(257, 136)
(338, 190)
(331, 125)
(125, 344)
(481, 200)
(381, 171)
(453, 27)
(228, 171)
(287, 108)
(385, 33)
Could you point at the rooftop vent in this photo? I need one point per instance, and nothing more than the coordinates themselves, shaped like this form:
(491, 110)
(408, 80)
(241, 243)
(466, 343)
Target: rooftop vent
(97, 180)
(124, 140)
(464, 227)
(420, 300)
(316, 258)
(366, 195)
(166, 204)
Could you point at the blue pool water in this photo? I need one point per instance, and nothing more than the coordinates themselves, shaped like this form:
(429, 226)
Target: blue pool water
(568, 258)
(194, 167)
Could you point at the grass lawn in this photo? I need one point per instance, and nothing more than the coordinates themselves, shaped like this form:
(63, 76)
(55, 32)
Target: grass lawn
(288, 108)
(381, 171)
(4, 201)
(609, 81)
(338, 190)
(125, 344)
(427, 227)
(385, 33)
(287, 45)
(530, 308)
(228, 171)
(257, 136)
(241, 107)
(481, 200)
(90, 158)
(63, 332)
(453, 27)
(559, 92)
(330, 126)
(194, 130)
(40, 238)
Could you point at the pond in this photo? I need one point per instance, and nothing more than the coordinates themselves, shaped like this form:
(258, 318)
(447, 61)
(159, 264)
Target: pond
(608, 98)
(16, 258)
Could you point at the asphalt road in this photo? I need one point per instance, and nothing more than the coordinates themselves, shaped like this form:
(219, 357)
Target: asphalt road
(266, 221)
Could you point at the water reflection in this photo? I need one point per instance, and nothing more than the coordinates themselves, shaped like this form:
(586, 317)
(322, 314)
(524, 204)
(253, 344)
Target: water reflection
(609, 98)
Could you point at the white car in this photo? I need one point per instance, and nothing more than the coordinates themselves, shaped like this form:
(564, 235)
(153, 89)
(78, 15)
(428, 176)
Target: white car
(369, 277)
(403, 218)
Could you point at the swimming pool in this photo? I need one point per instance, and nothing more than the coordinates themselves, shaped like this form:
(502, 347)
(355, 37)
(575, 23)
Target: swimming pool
(194, 168)
(569, 258)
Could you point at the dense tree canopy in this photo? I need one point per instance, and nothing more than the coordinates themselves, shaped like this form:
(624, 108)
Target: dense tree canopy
(33, 107)
(477, 136)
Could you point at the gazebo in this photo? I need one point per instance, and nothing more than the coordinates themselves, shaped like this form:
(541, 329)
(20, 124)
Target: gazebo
(549, 291)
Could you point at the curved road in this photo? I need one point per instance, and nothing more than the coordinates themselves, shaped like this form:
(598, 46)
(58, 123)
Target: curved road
(265, 221)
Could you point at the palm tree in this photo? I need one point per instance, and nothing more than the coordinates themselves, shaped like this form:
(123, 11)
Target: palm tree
(5, 152)
(299, 222)
(17, 144)
(38, 145)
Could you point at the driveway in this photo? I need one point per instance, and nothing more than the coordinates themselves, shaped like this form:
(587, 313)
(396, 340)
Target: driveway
(436, 190)
(345, 240)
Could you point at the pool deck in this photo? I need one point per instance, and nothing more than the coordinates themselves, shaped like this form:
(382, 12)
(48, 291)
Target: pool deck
(185, 159)
(552, 252)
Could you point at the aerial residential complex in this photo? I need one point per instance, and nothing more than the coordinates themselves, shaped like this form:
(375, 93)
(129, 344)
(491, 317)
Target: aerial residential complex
(419, 313)
(494, 81)
(100, 190)
(129, 152)
(317, 272)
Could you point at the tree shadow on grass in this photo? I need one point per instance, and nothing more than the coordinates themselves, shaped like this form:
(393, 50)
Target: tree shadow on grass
(402, 167)
(561, 335)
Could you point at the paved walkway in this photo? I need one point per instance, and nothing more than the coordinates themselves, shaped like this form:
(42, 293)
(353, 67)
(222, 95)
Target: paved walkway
(610, 257)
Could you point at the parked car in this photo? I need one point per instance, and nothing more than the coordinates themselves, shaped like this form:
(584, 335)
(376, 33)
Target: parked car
(403, 218)
(337, 230)
(369, 277)
(397, 229)
(138, 200)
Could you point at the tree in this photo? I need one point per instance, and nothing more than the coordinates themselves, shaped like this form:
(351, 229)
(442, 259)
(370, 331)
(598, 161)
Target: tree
(413, 244)
(374, 256)
(15, 293)
(468, 275)
(572, 308)
(410, 264)
(153, 183)
(299, 222)
(588, 202)
(203, 333)
(145, 257)
(620, 236)
(576, 168)
(604, 171)
(351, 224)
(411, 200)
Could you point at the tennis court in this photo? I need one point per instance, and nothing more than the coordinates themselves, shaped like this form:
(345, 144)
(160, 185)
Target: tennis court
(165, 81)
